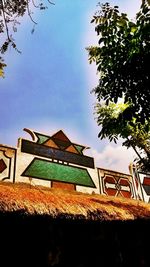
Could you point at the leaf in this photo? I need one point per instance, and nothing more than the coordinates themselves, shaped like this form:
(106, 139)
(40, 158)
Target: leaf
(33, 29)
(122, 58)
(133, 29)
(2, 65)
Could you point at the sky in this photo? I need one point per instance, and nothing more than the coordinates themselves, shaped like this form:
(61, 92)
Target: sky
(48, 86)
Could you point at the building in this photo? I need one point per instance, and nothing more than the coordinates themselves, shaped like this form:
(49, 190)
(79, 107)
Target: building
(56, 162)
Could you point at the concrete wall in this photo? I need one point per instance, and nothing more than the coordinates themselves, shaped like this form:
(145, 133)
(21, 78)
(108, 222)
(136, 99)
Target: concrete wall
(7, 163)
(15, 164)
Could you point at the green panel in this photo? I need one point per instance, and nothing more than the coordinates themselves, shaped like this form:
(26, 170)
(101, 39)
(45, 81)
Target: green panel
(79, 148)
(44, 169)
(42, 138)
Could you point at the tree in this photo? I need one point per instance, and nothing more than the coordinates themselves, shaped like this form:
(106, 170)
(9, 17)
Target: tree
(135, 135)
(122, 58)
(10, 13)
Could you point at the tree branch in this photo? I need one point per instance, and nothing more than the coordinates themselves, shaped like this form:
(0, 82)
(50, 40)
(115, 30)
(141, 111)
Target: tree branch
(30, 13)
(37, 6)
(134, 148)
(5, 22)
(51, 2)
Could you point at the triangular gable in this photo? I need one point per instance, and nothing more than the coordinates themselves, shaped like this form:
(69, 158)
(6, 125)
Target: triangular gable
(72, 149)
(41, 138)
(60, 136)
(62, 145)
(58, 140)
(50, 143)
(79, 148)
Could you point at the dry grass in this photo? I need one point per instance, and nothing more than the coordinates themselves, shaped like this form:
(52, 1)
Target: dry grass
(67, 204)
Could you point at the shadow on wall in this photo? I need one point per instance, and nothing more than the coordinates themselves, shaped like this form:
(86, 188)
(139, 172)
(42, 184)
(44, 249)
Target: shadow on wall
(40, 241)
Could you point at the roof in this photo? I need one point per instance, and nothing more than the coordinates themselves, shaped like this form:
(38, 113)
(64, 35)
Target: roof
(57, 203)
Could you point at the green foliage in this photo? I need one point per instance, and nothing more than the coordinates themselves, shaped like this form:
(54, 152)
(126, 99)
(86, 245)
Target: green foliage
(10, 12)
(122, 58)
(2, 65)
(136, 135)
(109, 118)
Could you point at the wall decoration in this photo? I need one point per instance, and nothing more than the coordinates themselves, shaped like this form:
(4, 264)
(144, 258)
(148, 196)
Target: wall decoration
(144, 181)
(59, 154)
(44, 169)
(54, 159)
(116, 184)
(3, 165)
(136, 182)
(7, 163)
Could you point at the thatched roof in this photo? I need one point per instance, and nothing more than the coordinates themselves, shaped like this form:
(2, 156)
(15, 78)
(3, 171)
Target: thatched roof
(56, 203)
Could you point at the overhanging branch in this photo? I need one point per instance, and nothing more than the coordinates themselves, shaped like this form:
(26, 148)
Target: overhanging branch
(5, 21)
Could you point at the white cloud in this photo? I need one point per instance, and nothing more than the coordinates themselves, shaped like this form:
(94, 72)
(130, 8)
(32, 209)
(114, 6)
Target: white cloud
(115, 158)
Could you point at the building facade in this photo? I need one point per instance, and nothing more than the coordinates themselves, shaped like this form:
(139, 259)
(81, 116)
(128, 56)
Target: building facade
(56, 162)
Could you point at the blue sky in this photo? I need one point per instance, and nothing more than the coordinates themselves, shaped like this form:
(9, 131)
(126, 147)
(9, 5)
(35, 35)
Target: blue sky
(47, 87)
